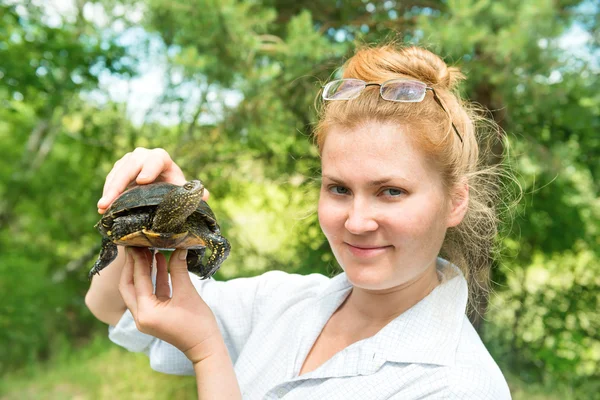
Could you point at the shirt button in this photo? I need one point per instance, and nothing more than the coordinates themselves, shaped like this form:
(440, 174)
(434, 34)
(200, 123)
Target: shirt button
(281, 392)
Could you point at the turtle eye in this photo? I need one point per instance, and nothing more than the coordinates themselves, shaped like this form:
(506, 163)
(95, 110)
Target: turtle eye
(188, 186)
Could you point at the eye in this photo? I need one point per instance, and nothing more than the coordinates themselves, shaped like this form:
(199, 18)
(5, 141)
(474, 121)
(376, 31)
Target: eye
(393, 192)
(188, 186)
(336, 189)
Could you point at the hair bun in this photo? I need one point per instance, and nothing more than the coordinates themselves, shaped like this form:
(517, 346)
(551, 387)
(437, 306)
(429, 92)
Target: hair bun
(432, 67)
(389, 62)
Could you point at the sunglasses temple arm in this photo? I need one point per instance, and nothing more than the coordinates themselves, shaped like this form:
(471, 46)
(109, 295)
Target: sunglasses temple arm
(456, 131)
(437, 100)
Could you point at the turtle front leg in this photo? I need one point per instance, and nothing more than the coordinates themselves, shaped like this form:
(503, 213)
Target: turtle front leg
(219, 247)
(107, 254)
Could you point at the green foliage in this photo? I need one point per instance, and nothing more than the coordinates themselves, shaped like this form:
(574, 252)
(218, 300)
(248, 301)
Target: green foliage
(49, 173)
(237, 109)
(551, 307)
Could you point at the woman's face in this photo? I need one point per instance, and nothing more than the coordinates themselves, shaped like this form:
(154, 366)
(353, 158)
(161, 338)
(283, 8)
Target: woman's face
(382, 206)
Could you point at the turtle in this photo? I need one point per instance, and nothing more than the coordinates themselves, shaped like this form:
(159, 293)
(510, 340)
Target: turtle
(163, 216)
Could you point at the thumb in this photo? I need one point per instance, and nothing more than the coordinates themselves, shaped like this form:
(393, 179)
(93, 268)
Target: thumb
(180, 279)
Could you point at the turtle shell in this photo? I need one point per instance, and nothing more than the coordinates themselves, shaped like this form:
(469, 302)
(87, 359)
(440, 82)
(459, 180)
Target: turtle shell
(150, 196)
(131, 218)
(138, 205)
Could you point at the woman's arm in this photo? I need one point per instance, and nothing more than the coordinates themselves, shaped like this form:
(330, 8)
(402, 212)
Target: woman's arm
(103, 298)
(215, 376)
(180, 318)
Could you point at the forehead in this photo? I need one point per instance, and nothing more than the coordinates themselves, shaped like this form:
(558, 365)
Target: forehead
(374, 150)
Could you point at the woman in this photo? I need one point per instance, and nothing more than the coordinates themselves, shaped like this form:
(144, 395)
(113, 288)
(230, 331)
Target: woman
(401, 185)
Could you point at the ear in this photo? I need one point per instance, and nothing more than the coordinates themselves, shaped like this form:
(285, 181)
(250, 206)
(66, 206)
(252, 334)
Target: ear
(459, 204)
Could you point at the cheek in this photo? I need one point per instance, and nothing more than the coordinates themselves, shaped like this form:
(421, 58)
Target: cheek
(417, 220)
(330, 216)
(432, 228)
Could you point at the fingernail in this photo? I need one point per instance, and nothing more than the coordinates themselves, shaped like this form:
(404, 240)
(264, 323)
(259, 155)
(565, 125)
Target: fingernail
(143, 176)
(182, 254)
(101, 201)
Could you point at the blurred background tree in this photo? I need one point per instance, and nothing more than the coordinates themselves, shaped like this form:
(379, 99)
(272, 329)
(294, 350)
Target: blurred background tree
(228, 88)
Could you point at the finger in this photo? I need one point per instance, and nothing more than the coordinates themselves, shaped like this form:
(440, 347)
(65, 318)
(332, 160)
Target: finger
(126, 287)
(125, 173)
(102, 206)
(206, 194)
(158, 163)
(174, 175)
(114, 170)
(180, 279)
(103, 203)
(141, 273)
(163, 289)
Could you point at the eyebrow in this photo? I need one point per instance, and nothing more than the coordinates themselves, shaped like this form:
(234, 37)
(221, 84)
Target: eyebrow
(377, 182)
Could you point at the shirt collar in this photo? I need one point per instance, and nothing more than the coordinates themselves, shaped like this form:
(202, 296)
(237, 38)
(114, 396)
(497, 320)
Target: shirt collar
(427, 333)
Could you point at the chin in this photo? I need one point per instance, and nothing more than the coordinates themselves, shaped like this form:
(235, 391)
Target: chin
(368, 277)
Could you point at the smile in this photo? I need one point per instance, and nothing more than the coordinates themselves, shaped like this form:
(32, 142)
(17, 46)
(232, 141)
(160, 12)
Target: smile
(364, 251)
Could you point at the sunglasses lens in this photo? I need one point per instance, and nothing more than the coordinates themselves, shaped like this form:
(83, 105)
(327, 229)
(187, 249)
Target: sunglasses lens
(343, 89)
(404, 91)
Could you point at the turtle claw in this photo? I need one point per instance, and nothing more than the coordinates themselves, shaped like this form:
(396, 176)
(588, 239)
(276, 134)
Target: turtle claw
(107, 254)
(93, 271)
(195, 265)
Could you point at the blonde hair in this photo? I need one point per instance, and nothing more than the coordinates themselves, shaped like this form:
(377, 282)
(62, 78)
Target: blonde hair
(470, 245)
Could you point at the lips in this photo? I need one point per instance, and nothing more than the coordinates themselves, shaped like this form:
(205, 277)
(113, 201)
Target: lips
(366, 251)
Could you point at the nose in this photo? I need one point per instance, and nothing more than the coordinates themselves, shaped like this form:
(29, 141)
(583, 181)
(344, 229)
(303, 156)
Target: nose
(361, 218)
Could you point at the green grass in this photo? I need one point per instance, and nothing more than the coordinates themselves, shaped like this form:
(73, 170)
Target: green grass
(102, 370)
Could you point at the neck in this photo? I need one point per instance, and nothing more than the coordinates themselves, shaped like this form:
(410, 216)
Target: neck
(378, 307)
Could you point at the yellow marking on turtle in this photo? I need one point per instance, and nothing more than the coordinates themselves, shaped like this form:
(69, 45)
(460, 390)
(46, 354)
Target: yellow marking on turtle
(146, 238)
(170, 241)
(137, 239)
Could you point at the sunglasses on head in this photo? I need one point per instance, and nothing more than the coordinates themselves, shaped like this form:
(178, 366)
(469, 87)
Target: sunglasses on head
(398, 90)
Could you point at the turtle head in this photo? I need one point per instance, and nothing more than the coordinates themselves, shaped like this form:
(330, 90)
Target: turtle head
(176, 206)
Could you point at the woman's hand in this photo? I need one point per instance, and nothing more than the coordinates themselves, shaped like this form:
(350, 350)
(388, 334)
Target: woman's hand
(141, 166)
(181, 318)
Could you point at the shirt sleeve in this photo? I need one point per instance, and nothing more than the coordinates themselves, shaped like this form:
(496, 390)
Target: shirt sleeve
(237, 304)
(479, 384)
(473, 384)
(476, 376)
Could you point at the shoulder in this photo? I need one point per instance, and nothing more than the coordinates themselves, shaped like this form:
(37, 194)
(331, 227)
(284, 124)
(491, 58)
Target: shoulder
(280, 293)
(267, 287)
(268, 282)
(280, 284)
(475, 374)
(270, 292)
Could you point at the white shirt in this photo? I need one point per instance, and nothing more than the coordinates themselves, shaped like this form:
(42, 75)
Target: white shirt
(270, 323)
